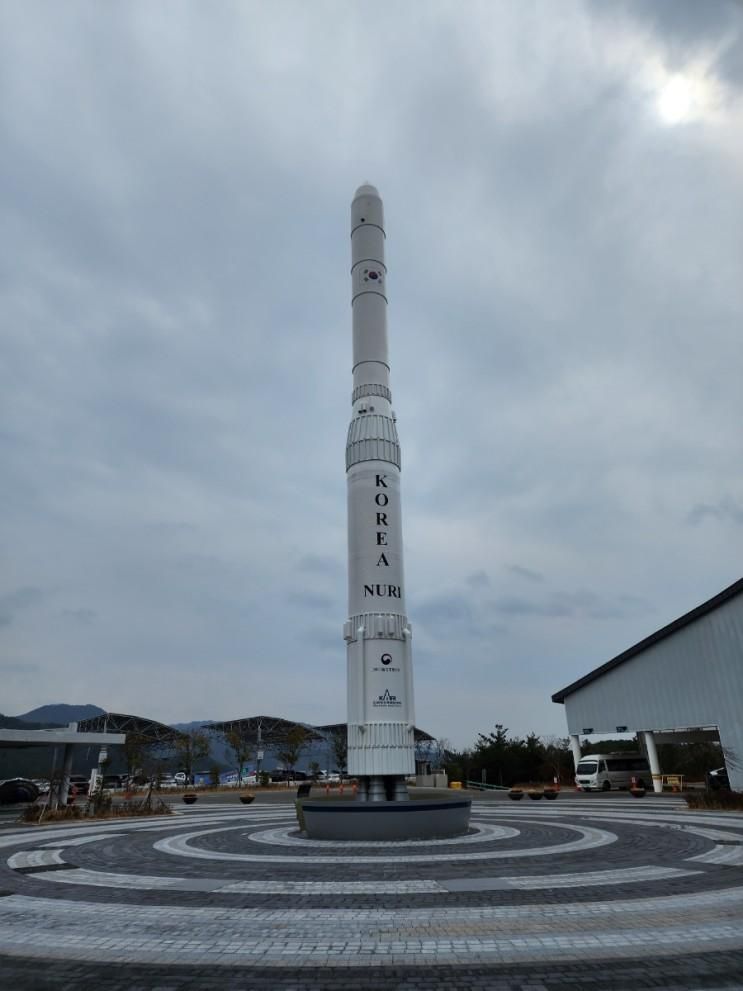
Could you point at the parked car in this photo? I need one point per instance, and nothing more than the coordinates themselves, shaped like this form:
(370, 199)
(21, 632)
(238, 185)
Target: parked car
(282, 774)
(718, 779)
(18, 790)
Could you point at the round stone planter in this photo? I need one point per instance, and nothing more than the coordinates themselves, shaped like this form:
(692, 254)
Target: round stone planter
(515, 794)
(536, 795)
(637, 792)
(551, 793)
(189, 798)
(247, 799)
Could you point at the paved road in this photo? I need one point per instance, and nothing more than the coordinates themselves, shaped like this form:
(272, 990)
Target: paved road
(589, 892)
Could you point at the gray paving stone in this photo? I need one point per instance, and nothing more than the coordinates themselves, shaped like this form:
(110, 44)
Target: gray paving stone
(621, 883)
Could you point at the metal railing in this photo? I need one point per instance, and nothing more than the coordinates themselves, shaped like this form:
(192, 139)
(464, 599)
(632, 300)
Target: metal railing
(481, 786)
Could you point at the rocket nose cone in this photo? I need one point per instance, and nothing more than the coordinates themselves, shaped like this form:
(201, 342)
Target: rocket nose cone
(366, 189)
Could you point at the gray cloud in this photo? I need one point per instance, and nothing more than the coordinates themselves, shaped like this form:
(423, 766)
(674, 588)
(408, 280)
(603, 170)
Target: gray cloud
(444, 613)
(82, 615)
(317, 564)
(478, 579)
(23, 670)
(528, 573)
(310, 600)
(18, 601)
(725, 511)
(570, 604)
(175, 342)
(685, 27)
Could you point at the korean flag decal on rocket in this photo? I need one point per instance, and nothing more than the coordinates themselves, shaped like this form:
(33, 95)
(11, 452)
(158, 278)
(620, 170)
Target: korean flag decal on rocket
(373, 275)
(369, 276)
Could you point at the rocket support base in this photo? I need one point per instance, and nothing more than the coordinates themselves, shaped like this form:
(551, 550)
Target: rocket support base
(383, 788)
(356, 822)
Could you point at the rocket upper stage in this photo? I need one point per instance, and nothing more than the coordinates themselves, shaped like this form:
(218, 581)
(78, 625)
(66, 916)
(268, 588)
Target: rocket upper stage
(372, 434)
(369, 299)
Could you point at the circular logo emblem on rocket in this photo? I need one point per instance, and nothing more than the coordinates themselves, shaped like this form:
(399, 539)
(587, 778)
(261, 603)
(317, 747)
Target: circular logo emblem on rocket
(372, 275)
(386, 658)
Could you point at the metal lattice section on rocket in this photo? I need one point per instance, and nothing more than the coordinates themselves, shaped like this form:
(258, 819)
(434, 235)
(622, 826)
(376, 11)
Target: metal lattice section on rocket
(378, 635)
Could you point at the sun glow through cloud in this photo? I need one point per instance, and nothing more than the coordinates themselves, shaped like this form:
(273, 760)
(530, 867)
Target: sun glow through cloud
(676, 100)
(684, 97)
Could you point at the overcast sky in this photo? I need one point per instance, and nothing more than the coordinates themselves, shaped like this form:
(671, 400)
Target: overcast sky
(563, 189)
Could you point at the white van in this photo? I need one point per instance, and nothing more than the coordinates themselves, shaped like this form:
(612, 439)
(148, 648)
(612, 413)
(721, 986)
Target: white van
(604, 772)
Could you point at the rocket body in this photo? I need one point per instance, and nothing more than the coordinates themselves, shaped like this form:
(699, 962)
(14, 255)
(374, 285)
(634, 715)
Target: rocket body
(377, 634)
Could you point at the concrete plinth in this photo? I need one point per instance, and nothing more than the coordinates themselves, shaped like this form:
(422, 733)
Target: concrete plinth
(408, 820)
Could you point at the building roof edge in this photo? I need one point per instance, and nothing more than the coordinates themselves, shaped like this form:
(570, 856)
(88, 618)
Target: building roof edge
(673, 627)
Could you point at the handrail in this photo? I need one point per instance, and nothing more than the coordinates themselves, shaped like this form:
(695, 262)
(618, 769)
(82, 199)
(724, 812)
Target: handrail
(481, 786)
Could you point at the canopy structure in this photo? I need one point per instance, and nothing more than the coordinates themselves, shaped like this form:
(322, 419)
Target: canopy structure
(263, 731)
(148, 730)
(64, 736)
(270, 731)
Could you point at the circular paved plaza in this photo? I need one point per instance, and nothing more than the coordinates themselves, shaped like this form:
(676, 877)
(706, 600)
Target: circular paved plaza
(590, 891)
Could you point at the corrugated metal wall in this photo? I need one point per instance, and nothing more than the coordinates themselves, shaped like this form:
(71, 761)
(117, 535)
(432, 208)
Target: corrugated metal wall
(694, 677)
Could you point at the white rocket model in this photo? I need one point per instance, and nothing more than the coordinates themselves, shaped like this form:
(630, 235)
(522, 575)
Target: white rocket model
(377, 634)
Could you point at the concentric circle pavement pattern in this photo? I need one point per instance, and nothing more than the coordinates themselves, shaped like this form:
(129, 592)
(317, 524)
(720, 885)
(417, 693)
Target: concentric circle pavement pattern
(584, 892)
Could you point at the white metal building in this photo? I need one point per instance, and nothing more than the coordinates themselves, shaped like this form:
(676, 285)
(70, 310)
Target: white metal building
(682, 683)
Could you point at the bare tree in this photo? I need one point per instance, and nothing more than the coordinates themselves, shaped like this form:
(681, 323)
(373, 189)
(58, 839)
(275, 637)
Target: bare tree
(295, 742)
(241, 749)
(190, 747)
(339, 744)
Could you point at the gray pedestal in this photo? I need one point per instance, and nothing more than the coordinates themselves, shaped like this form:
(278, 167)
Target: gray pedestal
(408, 820)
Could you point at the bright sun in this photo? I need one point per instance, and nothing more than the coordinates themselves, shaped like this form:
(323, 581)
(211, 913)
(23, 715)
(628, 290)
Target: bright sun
(675, 100)
(683, 97)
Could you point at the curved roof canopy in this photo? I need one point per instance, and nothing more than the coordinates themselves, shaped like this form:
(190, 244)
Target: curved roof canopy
(268, 731)
(272, 730)
(119, 722)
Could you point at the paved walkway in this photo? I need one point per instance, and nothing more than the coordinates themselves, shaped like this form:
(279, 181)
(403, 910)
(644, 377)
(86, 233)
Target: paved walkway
(599, 892)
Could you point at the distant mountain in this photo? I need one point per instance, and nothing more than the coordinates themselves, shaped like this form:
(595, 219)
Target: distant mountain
(13, 722)
(61, 714)
(196, 724)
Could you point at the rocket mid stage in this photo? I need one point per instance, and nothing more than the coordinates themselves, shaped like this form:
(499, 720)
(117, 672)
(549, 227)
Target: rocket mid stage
(378, 635)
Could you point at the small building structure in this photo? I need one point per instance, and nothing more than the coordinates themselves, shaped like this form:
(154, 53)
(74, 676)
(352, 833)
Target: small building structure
(69, 738)
(683, 683)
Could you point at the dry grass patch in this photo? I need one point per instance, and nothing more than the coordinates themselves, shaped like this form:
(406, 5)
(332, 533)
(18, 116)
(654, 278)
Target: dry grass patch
(720, 801)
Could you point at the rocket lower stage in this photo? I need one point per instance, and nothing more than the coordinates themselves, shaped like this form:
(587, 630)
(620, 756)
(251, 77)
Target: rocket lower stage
(377, 634)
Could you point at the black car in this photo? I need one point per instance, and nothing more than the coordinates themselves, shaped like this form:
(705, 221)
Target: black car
(718, 779)
(282, 774)
(18, 790)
